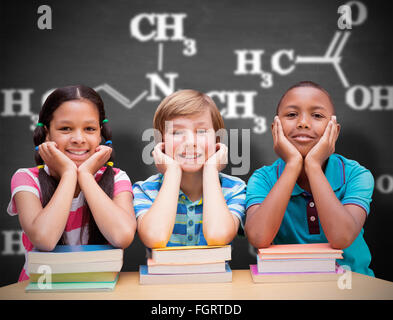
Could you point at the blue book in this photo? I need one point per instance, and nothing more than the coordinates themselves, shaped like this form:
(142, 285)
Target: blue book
(78, 248)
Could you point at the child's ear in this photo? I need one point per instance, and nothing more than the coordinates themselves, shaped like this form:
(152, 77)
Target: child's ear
(272, 126)
(338, 130)
(338, 127)
(46, 134)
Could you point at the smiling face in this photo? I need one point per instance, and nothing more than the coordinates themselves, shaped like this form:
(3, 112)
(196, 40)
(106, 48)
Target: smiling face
(304, 113)
(75, 127)
(190, 140)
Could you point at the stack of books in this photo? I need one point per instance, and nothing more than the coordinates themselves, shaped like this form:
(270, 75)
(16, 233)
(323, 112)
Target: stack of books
(74, 268)
(297, 263)
(187, 264)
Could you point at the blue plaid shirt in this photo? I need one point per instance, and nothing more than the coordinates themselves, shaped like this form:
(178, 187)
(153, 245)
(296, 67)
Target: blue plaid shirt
(188, 229)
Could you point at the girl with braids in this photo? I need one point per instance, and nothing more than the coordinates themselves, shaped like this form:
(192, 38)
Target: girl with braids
(74, 195)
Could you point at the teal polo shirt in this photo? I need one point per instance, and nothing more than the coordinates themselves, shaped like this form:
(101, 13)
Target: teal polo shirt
(351, 183)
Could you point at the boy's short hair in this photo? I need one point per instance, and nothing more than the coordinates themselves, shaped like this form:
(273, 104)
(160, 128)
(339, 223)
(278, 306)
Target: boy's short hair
(186, 102)
(307, 84)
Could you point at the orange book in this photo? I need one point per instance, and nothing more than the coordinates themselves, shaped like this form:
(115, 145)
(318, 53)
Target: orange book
(300, 251)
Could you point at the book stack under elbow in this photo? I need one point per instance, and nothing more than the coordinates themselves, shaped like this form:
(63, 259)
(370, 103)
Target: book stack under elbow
(74, 268)
(187, 264)
(297, 263)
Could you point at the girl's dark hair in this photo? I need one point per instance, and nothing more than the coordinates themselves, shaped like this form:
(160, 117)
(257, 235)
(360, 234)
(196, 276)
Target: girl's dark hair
(306, 84)
(48, 183)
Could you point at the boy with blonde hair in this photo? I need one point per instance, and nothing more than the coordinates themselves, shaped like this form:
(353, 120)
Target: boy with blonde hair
(189, 202)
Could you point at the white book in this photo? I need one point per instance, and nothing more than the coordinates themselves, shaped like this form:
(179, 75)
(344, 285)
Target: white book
(213, 277)
(67, 254)
(191, 254)
(106, 266)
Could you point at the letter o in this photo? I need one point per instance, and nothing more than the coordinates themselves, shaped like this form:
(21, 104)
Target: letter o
(365, 94)
(362, 12)
(385, 184)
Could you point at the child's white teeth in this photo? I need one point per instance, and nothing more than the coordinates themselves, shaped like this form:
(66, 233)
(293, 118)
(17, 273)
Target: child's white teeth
(77, 152)
(191, 157)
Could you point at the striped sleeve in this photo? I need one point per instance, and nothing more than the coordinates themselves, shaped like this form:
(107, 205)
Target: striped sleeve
(23, 180)
(234, 190)
(121, 182)
(142, 200)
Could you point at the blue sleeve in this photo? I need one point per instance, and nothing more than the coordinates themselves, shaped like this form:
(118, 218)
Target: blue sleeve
(258, 187)
(142, 202)
(359, 189)
(236, 202)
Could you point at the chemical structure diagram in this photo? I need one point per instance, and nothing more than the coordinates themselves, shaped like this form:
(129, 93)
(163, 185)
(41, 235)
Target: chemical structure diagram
(164, 83)
(249, 62)
(253, 59)
(162, 28)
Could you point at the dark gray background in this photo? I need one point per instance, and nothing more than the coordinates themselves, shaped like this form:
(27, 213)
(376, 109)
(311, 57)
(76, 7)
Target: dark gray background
(90, 43)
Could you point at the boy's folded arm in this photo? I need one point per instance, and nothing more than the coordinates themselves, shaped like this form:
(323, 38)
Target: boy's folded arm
(219, 224)
(219, 229)
(155, 226)
(150, 235)
(254, 232)
(262, 223)
(264, 220)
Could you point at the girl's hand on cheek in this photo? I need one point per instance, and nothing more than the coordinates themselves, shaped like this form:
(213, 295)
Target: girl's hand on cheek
(57, 162)
(282, 146)
(96, 161)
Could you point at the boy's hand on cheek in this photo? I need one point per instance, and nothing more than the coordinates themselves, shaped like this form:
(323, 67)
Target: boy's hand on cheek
(96, 161)
(162, 160)
(325, 146)
(219, 159)
(57, 162)
(282, 146)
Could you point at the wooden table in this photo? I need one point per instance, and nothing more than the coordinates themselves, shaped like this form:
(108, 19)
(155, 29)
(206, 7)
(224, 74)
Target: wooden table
(241, 288)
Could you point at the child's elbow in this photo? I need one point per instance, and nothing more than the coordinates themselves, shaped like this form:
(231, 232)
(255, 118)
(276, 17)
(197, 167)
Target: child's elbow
(258, 242)
(341, 243)
(218, 238)
(123, 239)
(154, 241)
(44, 243)
(216, 242)
(45, 247)
(157, 244)
(256, 239)
(123, 243)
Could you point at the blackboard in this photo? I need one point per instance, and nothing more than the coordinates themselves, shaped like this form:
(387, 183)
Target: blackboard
(245, 54)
